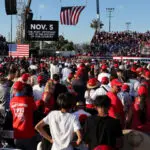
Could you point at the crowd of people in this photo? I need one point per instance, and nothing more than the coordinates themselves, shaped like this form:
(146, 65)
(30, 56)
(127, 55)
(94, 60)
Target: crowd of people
(3, 46)
(120, 43)
(64, 103)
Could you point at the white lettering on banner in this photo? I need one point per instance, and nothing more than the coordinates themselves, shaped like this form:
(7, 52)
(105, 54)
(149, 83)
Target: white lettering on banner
(51, 27)
(38, 26)
(41, 27)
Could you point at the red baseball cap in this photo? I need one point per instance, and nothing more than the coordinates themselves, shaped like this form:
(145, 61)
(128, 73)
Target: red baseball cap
(142, 90)
(105, 80)
(103, 67)
(116, 65)
(40, 78)
(116, 82)
(25, 76)
(125, 87)
(147, 74)
(18, 86)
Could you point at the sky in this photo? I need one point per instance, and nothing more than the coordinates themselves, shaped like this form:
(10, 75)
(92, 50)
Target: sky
(134, 11)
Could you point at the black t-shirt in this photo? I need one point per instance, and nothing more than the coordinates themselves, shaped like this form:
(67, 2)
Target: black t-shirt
(101, 131)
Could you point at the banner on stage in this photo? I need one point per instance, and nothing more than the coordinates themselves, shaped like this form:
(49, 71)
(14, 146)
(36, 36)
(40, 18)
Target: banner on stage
(40, 30)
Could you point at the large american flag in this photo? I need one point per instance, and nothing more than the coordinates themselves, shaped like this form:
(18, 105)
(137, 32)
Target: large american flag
(70, 15)
(18, 50)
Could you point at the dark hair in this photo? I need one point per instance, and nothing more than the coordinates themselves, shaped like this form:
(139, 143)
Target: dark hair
(28, 91)
(102, 101)
(56, 77)
(65, 100)
(142, 109)
(32, 72)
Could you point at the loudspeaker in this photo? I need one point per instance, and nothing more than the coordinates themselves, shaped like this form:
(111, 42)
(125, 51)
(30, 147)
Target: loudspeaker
(11, 7)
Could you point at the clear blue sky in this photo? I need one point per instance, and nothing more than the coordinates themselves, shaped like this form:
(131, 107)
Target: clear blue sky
(134, 11)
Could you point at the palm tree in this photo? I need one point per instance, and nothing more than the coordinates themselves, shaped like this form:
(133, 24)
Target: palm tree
(95, 24)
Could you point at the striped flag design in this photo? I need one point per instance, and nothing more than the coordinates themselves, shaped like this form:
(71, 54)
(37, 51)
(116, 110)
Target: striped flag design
(70, 15)
(18, 50)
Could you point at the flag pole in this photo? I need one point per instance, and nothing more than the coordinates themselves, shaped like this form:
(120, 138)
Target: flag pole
(11, 17)
(98, 14)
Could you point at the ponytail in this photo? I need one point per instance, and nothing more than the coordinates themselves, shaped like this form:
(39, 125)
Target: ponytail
(142, 109)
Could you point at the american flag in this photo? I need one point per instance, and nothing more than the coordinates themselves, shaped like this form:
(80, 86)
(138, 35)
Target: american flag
(70, 15)
(18, 50)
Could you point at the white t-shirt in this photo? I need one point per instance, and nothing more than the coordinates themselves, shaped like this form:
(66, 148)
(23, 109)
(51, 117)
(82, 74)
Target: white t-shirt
(62, 126)
(33, 67)
(65, 73)
(37, 92)
(88, 95)
(54, 69)
(100, 91)
(103, 74)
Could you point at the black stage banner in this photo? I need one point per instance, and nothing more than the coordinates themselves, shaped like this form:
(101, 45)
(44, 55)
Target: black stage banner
(41, 30)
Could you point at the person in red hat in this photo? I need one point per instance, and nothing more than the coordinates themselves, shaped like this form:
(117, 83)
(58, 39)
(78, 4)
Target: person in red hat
(39, 88)
(25, 77)
(65, 71)
(116, 109)
(139, 114)
(69, 79)
(103, 89)
(22, 108)
(125, 98)
(92, 85)
(79, 86)
(103, 73)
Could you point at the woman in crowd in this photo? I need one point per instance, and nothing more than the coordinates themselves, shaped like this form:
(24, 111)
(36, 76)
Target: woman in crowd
(92, 85)
(139, 114)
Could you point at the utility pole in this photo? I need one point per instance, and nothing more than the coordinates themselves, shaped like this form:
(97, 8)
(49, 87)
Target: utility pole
(128, 26)
(41, 42)
(98, 14)
(110, 10)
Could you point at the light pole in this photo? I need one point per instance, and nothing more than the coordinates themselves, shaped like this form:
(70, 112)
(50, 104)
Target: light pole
(110, 10)
(128, 26)
(98, 14)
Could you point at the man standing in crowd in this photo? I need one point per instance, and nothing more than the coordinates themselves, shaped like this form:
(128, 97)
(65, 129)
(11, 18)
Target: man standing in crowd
(103, 73)
(103, 89)
(116, 109)
(22, 108)
(39, 88)
(3, 95)
(58, 87)
(65, 72)
(54, 69)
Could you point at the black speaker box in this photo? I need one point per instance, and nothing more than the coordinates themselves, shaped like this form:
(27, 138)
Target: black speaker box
(11, 7)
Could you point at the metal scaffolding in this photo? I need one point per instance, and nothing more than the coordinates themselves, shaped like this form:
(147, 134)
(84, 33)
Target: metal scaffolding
(20, 33)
